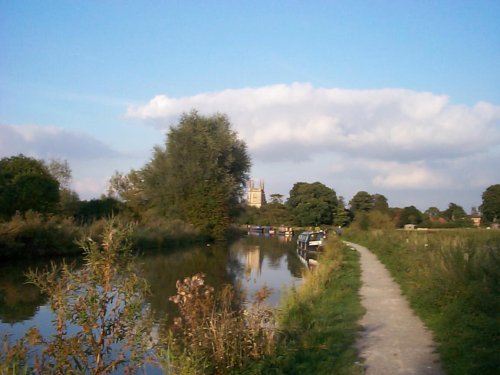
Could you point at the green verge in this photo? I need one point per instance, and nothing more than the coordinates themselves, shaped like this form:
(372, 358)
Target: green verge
(318, 322)
(452, 281)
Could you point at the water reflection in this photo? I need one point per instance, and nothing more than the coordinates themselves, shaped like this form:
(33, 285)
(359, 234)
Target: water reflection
(266, 262)
(251, 262)
(162, 270)
(19, 301)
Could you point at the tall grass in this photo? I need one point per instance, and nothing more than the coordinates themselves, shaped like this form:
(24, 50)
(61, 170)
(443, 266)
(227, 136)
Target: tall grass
(452, 280)
(318, 321)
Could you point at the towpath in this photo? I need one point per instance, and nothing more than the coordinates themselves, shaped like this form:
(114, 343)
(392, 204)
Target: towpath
(394, 340)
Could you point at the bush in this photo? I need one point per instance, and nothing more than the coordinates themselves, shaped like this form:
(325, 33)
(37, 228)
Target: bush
(215, 334)
(37, 235)
(101, 324)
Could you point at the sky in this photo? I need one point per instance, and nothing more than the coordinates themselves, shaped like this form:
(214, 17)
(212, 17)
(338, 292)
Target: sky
(400, 98)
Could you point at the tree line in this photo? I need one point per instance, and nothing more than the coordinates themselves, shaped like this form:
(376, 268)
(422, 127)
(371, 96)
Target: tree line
(198, 177)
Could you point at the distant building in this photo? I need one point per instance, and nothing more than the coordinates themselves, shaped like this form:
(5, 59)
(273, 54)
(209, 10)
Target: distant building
(255, 195)
(476, 219)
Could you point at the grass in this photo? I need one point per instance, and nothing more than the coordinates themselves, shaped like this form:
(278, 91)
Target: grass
(318, 322)
(452, 280)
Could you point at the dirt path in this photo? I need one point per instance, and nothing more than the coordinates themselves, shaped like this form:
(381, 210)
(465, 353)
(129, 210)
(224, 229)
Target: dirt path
(394, 340)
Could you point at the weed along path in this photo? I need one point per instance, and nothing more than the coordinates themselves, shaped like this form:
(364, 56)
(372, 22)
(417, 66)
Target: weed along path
(394, 340)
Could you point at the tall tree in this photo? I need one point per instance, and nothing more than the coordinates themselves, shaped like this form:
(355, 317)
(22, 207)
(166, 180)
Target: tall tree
(200, 174)
(491, 203)
(454, 212)
(277, 198)
(341, 215)
(410, 215)
(128, 188)
(68, 199)
(312, 204)
(433, 212)
(26, 184)
(361, 202)
(61, 171)
(380, 203)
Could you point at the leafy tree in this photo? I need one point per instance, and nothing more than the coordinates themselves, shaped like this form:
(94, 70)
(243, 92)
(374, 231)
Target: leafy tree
(68, 199)
(361, 202)
(26, 184)
(491, 203)
(200, 175)
(312, 204)
(128, 188)
(89, 211)
(410, 215)
(433, 212)
(277, 198)
(341, 216)
(274, 214)
(454, 212)
(69, 202)
(380, 203)
(61, 171)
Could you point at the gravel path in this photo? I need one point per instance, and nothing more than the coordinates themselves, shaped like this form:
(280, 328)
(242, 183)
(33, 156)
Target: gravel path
(394, 339)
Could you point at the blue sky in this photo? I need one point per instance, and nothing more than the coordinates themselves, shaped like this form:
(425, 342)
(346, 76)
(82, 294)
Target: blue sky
(396, 97)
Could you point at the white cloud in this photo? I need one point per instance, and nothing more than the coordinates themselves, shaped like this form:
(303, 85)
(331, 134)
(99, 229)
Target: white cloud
(410, 177)
(294, 121)
(389, 140)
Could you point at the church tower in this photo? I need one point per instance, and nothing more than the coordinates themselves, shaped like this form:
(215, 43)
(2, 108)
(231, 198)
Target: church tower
(255, 195)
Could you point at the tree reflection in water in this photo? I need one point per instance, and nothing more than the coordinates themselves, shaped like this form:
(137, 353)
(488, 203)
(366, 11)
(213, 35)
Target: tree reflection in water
(277, 265)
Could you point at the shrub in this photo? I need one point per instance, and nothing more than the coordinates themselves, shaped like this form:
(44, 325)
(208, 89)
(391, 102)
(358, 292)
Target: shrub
(215, 334)
(101, 323)
(34, 234)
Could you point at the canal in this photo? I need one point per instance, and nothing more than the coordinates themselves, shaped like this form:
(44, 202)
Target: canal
(250, 262)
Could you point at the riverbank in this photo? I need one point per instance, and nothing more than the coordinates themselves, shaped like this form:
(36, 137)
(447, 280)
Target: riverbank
(35, 235)
(317, 322)
(451, 279)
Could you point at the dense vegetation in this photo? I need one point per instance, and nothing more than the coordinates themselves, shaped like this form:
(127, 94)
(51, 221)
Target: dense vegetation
(318, 322)
(26, 184)
(191, 189)
(102, 324)
(198, 177)
(452, 280)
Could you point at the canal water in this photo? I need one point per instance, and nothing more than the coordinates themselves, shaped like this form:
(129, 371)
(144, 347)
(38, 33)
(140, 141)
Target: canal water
(251, 263)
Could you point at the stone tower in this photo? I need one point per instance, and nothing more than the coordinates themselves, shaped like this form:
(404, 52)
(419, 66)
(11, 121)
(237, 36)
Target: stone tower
(256, 196)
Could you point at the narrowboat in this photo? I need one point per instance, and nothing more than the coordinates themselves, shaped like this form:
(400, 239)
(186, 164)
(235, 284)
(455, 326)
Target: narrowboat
(309, 246)
(311, 241)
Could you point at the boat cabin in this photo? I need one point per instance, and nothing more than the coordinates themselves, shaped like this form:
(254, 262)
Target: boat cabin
(311, 241)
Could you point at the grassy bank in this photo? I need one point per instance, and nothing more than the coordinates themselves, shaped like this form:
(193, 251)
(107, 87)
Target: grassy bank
(318, 321)
(34, 235)
(452, 280)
